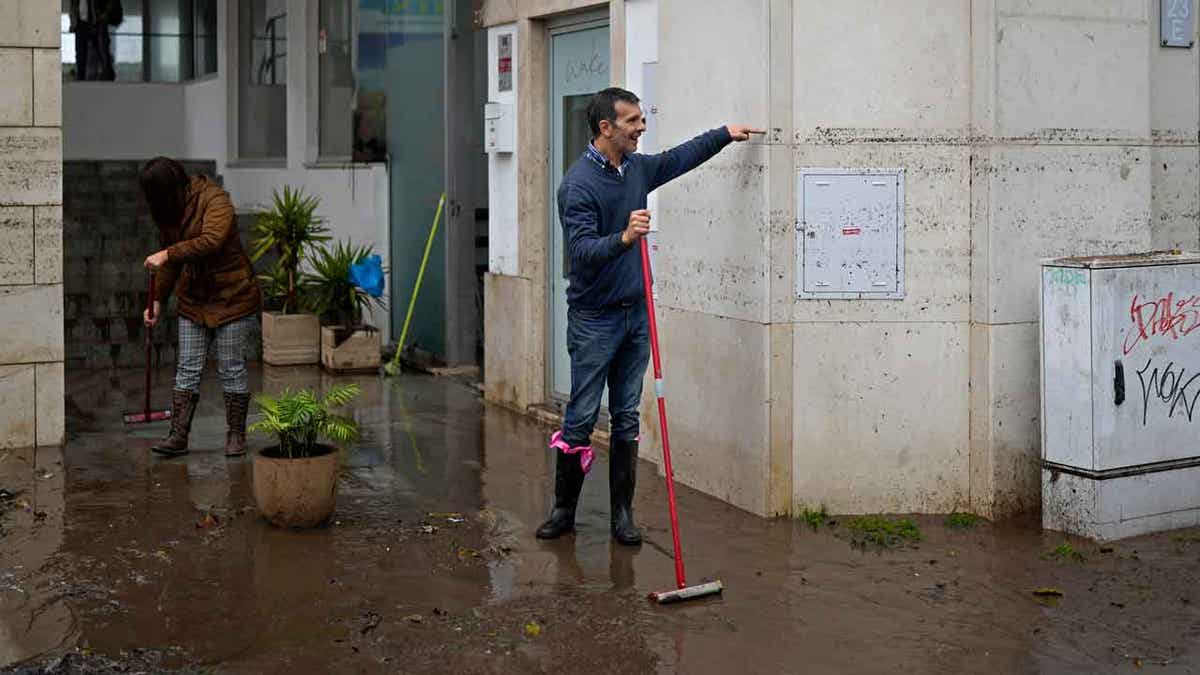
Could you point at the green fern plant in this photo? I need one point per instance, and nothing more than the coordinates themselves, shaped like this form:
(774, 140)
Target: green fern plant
(289, 228)
(299, 419)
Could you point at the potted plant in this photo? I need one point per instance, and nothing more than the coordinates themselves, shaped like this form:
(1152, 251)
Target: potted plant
(289, 230)
(345, 281)
(295, 480)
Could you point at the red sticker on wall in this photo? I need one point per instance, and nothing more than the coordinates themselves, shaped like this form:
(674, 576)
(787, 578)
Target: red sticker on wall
(851, 230)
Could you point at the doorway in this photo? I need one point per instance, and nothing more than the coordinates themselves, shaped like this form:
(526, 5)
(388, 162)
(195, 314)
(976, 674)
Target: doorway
(579, 67)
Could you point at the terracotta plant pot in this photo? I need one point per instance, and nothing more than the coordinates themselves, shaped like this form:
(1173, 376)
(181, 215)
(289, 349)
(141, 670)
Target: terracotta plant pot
(296, 492)
(346, 352)
(290, 339)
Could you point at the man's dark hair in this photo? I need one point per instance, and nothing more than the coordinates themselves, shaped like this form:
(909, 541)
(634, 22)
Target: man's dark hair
(164, 184)
(603, 106)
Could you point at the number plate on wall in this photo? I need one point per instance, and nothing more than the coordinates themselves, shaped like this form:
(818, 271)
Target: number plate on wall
(850, 234)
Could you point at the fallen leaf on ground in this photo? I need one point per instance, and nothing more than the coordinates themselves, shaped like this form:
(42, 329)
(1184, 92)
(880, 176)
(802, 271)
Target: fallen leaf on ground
(162, 555)
(464, 553)
(532, 629)
(208, 520)
(414, 618)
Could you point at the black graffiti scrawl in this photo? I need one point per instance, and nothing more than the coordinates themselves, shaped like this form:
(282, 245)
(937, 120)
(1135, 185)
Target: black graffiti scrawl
(1169, 388)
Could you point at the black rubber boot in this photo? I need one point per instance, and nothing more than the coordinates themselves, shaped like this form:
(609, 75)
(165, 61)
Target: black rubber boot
(183, 407)
(568, 481)
(622, 477)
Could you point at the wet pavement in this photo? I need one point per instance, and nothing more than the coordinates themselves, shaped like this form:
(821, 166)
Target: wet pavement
(113, 559)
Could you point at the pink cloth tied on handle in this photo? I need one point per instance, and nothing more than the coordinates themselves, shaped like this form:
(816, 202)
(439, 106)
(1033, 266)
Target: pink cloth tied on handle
(585, 452)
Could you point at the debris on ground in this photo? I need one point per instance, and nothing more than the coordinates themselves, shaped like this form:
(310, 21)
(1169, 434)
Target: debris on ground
(1047, 596)
(815, 519)
(82, 660)
(1064, 551)
(961, 521)
(883, 532)
(208, 520)
(372, 621)
(448, 516)
(533, 629)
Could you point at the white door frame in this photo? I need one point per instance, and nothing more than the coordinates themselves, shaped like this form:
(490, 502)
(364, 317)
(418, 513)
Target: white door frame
(559, 26)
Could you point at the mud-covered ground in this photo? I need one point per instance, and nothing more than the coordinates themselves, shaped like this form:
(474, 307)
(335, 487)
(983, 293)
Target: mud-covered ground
(113, 560)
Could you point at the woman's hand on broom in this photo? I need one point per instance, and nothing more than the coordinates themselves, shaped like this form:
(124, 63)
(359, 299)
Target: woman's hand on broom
(151, 320)
(156, 260)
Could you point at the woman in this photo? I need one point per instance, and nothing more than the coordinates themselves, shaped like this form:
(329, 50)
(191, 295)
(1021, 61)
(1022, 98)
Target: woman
(203, 261)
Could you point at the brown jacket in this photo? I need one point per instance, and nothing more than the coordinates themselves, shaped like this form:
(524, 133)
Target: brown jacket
(206, 264)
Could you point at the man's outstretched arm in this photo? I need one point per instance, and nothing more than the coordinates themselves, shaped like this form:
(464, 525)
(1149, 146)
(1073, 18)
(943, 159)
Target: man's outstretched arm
(667, 166)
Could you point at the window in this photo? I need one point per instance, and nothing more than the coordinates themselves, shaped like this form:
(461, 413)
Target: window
(154, 40)
(336, 80)
(262, 79)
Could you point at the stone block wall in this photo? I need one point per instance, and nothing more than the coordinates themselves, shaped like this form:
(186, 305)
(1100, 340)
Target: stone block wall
(108, 233)
(31, 297)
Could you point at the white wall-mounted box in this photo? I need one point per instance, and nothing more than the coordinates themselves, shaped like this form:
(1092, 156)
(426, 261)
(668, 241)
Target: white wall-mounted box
(1120, 383)
(498, 127)
(850, 234)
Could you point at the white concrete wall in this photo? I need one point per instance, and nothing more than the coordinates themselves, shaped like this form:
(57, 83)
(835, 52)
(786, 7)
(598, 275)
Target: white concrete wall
(31, 292)
(880, 410)
(99, 119)
(711, 274)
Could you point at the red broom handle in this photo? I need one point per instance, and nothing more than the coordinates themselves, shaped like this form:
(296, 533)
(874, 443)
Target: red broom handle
(150, 312)
(662, 412)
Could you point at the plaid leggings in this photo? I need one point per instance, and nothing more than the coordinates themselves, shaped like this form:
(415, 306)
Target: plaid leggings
(194, 343)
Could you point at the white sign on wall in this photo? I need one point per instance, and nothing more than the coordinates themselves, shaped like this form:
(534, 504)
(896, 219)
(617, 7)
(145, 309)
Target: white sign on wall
(1176, 23)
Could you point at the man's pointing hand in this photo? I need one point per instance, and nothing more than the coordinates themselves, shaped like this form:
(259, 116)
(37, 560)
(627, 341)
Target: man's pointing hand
(741, 132)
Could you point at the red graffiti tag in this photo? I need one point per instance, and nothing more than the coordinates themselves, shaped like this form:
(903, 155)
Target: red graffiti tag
(1163, 317)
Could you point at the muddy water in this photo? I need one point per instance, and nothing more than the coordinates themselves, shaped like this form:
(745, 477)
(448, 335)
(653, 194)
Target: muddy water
(121, 558)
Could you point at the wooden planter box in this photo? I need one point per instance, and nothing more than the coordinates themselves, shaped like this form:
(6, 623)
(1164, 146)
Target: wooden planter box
(290, 339)
(361, 352)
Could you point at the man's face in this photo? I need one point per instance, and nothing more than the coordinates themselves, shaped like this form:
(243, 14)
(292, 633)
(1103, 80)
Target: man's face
(624, 135)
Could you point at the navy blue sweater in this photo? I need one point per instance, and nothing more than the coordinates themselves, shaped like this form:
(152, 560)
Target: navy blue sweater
(594, 204)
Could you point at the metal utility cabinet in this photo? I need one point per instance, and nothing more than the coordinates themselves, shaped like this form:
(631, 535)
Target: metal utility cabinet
(1120, 384)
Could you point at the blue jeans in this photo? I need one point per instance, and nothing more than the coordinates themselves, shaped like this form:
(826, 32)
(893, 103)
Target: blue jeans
(607, 346)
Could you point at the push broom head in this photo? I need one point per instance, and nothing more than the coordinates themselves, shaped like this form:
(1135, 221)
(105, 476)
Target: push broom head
(688, 593)
(146, 418)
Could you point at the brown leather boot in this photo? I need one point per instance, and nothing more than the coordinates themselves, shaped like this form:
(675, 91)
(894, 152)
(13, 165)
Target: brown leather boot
(183, 407)
(236, 407)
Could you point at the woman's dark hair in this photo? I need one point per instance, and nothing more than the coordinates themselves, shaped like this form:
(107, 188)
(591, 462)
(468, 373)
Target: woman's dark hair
(164, 185)
(603, 106)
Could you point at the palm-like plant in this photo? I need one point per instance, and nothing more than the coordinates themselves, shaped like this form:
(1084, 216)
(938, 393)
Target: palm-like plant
(331, 293)
(299, 419)
(290, 228)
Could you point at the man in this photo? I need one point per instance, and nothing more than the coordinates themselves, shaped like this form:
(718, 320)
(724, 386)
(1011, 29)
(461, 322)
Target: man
(90, 21)
(602, 207)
